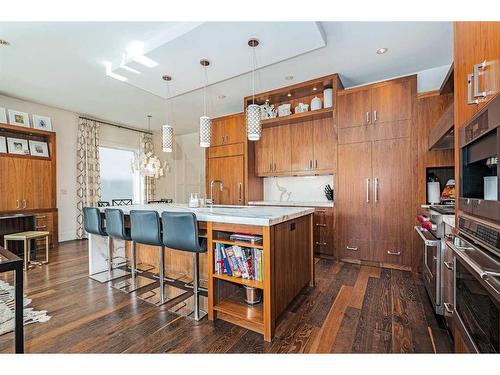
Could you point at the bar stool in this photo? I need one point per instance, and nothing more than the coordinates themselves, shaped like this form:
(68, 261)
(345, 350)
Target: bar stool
(146, 229)
(180, 232)
(93, 224)
(115, 226)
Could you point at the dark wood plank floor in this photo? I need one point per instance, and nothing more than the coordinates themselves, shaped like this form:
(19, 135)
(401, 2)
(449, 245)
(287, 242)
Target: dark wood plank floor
(352, 309)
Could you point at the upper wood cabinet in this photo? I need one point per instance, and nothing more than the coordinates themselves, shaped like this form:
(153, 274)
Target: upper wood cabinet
(354, 108)
(380, 103)
(476, 67)
(301, 134)
(228, 130)
(273, 151)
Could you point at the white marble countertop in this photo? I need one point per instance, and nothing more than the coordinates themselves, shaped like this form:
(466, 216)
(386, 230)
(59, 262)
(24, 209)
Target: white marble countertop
(247, 215)
(291, 204)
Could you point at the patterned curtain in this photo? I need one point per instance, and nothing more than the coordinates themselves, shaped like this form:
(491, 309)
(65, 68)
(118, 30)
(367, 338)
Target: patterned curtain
(149, 183)
(88, 176)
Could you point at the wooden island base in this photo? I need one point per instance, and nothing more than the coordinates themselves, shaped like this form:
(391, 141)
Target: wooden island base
(288, 268)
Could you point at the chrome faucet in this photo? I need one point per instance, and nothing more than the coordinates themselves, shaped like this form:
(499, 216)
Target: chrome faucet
(212, 183)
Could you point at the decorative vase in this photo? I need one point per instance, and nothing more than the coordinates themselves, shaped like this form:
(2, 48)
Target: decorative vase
(315, 104)
(328, 98)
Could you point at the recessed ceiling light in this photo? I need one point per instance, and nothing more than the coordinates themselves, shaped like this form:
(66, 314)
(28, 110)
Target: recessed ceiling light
(135, 51)
(381, 51)
(4, 43)
(289, 78)
(314, 88)
(289, 94)
(109, 72)
(220, 97)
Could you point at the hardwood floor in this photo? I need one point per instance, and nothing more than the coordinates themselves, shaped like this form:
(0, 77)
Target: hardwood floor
(352, 309)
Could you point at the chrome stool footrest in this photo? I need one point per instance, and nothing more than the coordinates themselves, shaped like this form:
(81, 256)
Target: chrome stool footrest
(105, 276)
(186, 307)
(132, 284)
(171, 293)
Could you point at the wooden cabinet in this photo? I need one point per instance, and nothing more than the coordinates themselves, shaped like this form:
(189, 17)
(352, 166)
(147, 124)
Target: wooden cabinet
(273, 151)
(228, 130)
(354, 108)
(324, 229)
(229, 170)
(385, 102)
(475, 84)
(325, 146)
(301, 134)
(391, 209)
(353, 201)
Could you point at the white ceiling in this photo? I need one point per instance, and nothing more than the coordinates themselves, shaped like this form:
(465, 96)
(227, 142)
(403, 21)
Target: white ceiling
(61, 64)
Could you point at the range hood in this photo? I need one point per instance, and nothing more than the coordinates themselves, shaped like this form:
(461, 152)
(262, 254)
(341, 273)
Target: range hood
(441, 136)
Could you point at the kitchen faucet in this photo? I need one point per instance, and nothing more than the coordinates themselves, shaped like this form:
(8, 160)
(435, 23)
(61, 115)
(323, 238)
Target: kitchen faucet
(212, 183)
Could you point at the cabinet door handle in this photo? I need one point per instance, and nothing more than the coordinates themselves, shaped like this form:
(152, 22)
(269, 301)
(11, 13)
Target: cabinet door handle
(270, 167)
(41, 227)
(355, 248)
(375, 188)
(448, 265)
(367, 190)
(24, 203)
(481, 66)
(448, 307)
(275, 167)
(470, 101)
(393, 252)
(316, 164)
(321, 225)
(374, 117)
(17, 203)
(240, 191)
(321, 243)
(367, 117)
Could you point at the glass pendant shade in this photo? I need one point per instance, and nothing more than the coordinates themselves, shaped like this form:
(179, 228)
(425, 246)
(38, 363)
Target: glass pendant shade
(254, 127)
(167, 138)
(205, 131)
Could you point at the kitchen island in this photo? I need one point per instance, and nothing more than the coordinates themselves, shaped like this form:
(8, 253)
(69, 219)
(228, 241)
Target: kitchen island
(287, 254)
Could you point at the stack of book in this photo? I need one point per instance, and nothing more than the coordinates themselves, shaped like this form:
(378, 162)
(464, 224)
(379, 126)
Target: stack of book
(239, 261)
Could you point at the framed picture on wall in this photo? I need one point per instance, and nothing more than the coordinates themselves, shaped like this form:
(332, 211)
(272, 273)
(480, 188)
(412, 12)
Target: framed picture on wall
(39, 149)
(42, 122)
(3, 116)
(3, 145)
(18, 146)
(19, 118)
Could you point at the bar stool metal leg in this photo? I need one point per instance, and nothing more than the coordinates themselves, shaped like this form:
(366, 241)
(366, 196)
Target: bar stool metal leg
(161, 274)
(196, 279)
(111, 273)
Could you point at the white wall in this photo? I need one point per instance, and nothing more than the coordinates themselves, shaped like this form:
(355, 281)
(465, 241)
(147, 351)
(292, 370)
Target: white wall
(296, 189)
(65, 124)
(187, 168)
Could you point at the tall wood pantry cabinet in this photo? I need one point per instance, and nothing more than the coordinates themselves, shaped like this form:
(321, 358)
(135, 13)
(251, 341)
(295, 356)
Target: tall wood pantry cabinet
(373, 201)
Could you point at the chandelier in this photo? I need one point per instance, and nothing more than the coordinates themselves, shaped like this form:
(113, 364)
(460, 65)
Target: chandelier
(146, 162)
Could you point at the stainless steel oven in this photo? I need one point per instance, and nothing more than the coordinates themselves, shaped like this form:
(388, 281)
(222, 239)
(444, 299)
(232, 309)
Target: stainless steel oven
(477, 284)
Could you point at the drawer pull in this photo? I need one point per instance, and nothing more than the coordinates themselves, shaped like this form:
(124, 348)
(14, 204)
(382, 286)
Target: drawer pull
(41, 217)
(321, 243)
(321, 225)
(41, 227)
(448, 307)
(393, 252)
(352, 248)
(448, 265)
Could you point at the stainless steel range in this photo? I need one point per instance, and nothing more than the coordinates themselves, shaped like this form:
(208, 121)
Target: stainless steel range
(476, 252)
(431, 229)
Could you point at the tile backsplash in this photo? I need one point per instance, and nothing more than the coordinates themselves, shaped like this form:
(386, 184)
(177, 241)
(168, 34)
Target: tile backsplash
(296, 189)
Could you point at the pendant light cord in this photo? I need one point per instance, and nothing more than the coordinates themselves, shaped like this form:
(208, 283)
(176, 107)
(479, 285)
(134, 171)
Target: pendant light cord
(169, 102)
(254, 63)
(205, 92)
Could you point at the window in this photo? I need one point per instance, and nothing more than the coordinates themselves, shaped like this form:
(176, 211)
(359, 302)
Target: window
(117, 179)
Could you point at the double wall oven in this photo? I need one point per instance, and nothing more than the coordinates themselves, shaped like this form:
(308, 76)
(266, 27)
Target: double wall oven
(476, 247)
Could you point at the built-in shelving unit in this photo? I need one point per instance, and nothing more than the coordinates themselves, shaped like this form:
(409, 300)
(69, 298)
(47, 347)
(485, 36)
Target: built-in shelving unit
(297, 117)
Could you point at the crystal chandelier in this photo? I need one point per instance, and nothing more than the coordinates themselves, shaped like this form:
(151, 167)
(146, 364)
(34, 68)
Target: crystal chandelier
(146, 162)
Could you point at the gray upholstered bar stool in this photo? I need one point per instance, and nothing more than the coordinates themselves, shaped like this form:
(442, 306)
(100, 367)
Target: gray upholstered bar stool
(146, 229)
(93, 224)
(180, 232)
(115, 226)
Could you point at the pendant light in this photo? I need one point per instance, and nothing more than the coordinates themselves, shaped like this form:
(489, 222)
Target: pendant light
(205, 121)
(254, 127)
(167, 130)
